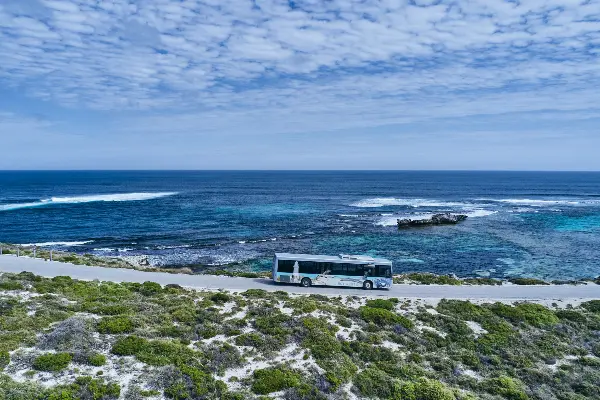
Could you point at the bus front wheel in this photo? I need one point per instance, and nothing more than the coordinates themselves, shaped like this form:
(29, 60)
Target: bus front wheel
(368, 285)
(305, 282)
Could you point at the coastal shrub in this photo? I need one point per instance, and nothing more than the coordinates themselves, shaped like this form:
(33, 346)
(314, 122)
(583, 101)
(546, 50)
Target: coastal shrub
(463, 309)
(423, 389)
(432, 279)
(115, 325)
(4, 359)
(11, 390)
(207, 330)
(52, 362)
(506, 387)
(96, 360)
(11, 285)
(339, 369)
(302, 305)
(403, 371)
(220, 298)
(86, 388)
(571, 315)
(384, 317)
(592, 306)
(530, 313)
(482, 281)
(150, 288)
(274, 379)
(527, 281)
(221, 357)
(128, 346)
(155, 352)
(274, 324)
(255, 293)
(343, 321)
(381, 303)
(106, 309)
(372, 382)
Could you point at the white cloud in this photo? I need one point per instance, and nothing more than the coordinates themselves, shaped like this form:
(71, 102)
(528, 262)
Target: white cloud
(346, 64)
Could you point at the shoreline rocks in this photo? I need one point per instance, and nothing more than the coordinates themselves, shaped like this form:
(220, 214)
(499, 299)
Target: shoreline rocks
(436, 219)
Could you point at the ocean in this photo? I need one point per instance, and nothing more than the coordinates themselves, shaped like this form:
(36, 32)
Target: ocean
(535, 224)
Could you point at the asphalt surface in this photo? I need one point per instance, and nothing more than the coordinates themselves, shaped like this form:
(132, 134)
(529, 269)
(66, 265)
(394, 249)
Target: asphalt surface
(11, 263)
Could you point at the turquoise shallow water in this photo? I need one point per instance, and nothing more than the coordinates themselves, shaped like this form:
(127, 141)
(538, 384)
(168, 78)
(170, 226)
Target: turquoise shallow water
(520, 223)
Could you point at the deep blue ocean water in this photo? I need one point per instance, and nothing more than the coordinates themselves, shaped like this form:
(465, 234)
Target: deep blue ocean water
(536, 224)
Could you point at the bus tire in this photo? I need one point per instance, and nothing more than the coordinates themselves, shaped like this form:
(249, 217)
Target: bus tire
(368, 285)
(305, 282)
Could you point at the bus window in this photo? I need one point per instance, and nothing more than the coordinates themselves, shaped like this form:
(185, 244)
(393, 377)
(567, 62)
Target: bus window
(285, 266)
(310, 267)
(383, 271)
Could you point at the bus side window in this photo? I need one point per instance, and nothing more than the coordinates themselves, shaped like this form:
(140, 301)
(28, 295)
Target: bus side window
(285, 266)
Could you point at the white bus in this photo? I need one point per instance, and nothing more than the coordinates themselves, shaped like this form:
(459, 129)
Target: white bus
(343, 270)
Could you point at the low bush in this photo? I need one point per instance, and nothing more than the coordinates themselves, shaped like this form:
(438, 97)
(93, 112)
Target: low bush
(423, 389)
(11, 285)
(275, 379)
(255, 293)
(52, 362)
(96, 360)
(373, 382)
(86, 388)
(220, 298)
(592, 306)
(530, 313)
(384, 317)
(527, 281)
(115, 325)
(432, 279)
(506, 387)
(106, 309)
(150, 288)
(381, 303)
(128, 346)
(4, 359)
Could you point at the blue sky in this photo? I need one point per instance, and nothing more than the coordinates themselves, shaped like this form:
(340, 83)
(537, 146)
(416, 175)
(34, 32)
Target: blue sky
(310, 84)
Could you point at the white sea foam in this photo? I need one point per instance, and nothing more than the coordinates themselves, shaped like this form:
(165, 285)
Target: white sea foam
(48, 244)
(542, 203)
(393, 201)
(87, 199)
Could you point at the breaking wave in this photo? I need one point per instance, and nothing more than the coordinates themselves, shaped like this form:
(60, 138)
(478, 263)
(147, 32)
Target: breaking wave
(544, 202)
(393, 201)
(87, 199)
(63, 244)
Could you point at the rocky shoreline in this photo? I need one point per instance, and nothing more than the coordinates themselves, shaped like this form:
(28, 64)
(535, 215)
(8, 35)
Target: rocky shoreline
(436, 219)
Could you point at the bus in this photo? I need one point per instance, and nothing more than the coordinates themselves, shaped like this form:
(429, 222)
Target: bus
(343, 270)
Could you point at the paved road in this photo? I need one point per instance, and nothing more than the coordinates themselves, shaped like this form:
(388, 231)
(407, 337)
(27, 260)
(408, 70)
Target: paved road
(9, 263)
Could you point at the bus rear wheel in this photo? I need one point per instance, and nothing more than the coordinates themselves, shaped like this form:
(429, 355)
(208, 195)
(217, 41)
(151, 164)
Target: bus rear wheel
(368, 285)
(305, 282)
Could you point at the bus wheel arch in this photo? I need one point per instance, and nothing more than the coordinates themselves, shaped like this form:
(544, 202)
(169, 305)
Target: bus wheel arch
(305, 282)
(367, 285)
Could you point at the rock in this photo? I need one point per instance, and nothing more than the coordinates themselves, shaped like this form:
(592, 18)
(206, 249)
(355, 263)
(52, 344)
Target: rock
(437, 219)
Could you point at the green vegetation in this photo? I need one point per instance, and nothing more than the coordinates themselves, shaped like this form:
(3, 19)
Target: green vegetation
(115, 325)
(309, 347)
(383, 317)
(52, 362)
(97, 360)
(527, 281)
(274, 379)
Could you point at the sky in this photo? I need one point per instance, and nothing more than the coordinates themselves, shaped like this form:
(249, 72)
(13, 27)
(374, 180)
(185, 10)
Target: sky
(308, 84)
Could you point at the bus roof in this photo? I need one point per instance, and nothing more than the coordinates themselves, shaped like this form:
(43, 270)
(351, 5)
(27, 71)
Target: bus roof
(342, 258)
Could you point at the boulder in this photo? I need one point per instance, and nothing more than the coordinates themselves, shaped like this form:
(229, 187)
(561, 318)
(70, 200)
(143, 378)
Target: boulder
(437, 219)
